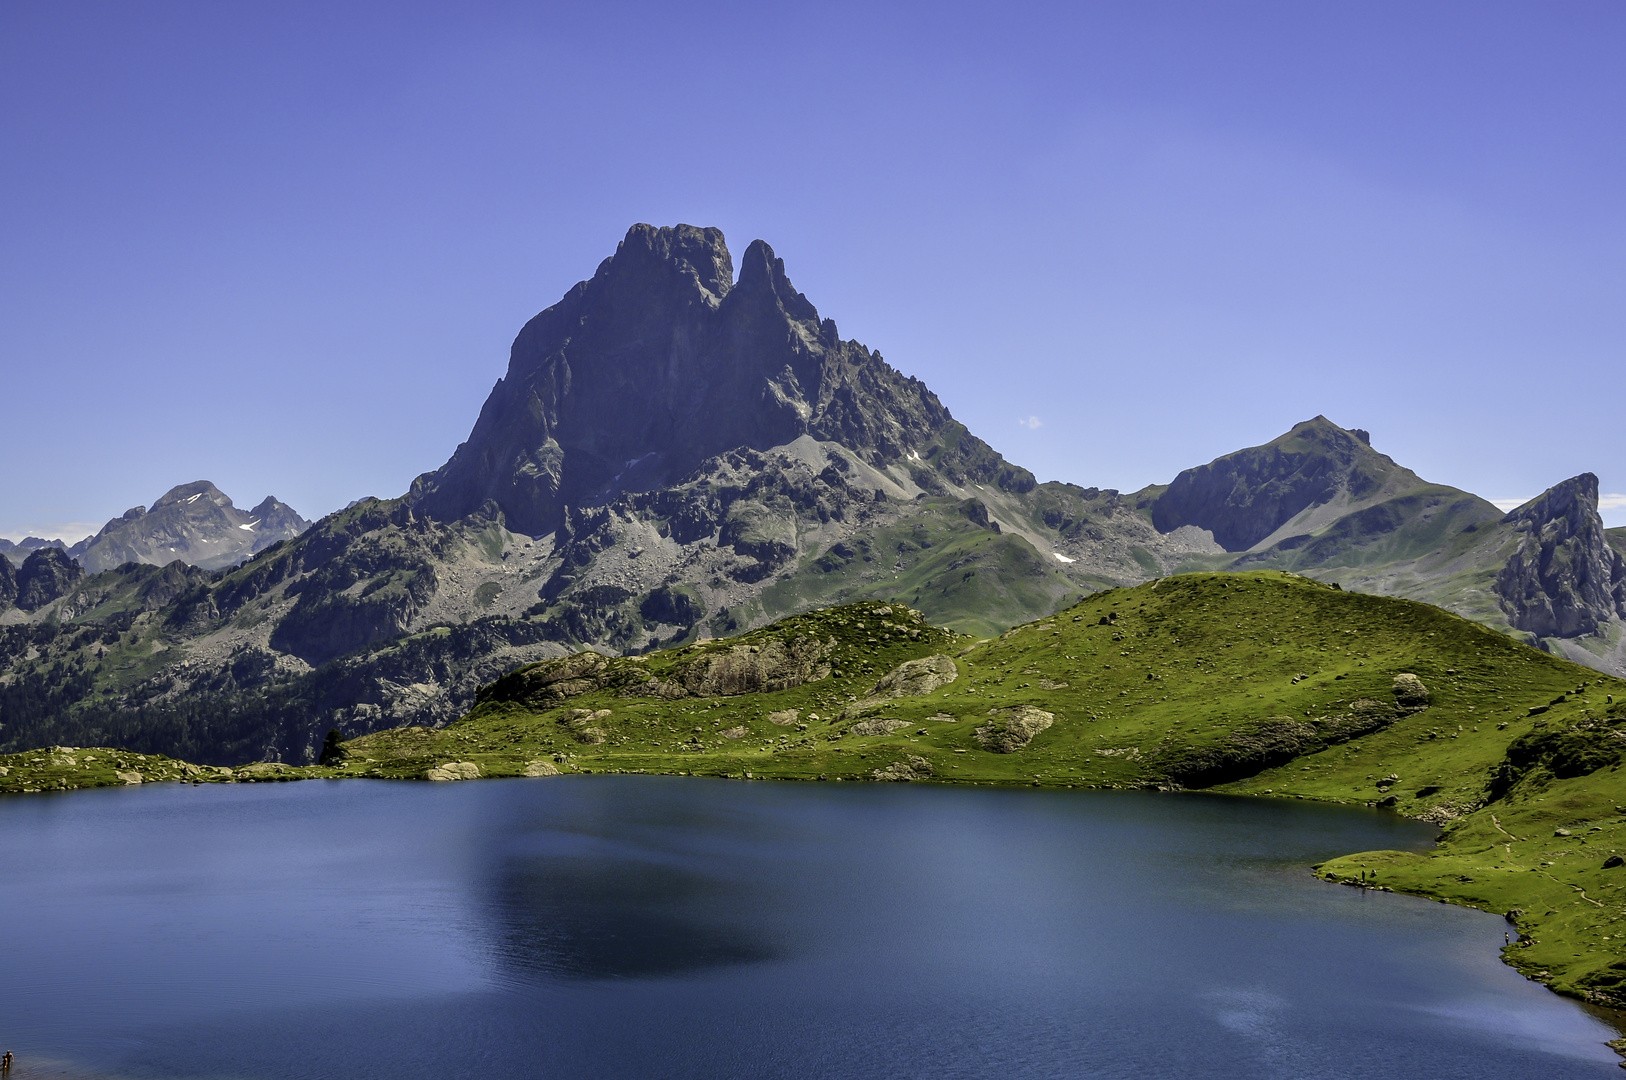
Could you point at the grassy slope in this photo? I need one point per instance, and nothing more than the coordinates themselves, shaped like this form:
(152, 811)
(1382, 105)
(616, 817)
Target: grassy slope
(956, 570)
(1277, 685)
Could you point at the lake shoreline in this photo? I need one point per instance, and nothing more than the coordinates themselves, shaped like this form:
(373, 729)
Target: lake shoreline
(58, 770)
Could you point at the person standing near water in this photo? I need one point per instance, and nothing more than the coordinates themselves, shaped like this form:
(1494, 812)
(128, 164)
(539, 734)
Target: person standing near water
(5, 1062)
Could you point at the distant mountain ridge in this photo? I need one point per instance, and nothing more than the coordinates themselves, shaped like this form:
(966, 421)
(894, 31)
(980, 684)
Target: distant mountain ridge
(195, 523)
(673, 455)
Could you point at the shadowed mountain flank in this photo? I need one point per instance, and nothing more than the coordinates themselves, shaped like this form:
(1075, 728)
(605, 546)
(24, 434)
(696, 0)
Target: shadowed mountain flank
(661, 361)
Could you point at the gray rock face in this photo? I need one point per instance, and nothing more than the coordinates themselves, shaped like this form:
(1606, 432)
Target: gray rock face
(1244, 497)
(44, 576)
(195, 523)
(1565, 579)
(660, 361)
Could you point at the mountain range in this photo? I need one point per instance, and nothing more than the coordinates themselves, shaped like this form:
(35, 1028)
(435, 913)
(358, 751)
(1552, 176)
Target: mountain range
(195, 523)
(673, 454)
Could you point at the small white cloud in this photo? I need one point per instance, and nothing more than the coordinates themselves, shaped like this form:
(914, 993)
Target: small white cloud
(1510, 504)
(1032, 423)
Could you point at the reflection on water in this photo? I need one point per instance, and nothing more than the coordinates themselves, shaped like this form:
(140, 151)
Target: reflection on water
(587, 918)
(674, 927)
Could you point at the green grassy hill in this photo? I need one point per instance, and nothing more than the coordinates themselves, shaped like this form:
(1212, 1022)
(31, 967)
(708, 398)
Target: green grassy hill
(1264, 684)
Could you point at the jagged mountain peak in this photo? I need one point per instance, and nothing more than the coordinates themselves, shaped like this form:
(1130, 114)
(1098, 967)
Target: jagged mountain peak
(194, 523)
(659, 362)
(1565, 579)
(700, 253)
(188, 494)
(1575, 499)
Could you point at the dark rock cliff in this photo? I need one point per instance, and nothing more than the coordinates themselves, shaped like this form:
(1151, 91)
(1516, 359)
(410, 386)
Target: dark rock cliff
(1565, 580)
(660, 361)
(1244, 497)
(44, 576)
(8, 583)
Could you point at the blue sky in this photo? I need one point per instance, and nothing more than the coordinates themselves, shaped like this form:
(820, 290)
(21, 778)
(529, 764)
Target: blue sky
(286, 248)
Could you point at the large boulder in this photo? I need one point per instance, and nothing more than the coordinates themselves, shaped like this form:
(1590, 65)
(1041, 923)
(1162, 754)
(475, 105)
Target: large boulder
(1409, 691)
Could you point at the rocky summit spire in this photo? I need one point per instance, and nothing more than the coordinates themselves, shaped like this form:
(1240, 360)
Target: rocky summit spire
(658, 362)
(1564, 580)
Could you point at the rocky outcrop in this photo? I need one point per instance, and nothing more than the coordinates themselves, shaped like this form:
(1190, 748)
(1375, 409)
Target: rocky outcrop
(662, 360)
(195, 523)
(1012, 729)
(912, 767)
(1564, 580)
(1244, 497)
(911, 678)
(758, 669)
(453, 770)
(878, 725)
(45, 575)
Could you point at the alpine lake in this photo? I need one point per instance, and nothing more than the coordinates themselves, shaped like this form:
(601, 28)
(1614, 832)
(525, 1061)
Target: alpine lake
(660, 926)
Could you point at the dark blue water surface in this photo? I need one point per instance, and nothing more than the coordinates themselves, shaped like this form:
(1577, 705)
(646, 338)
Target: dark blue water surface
(678, 927)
